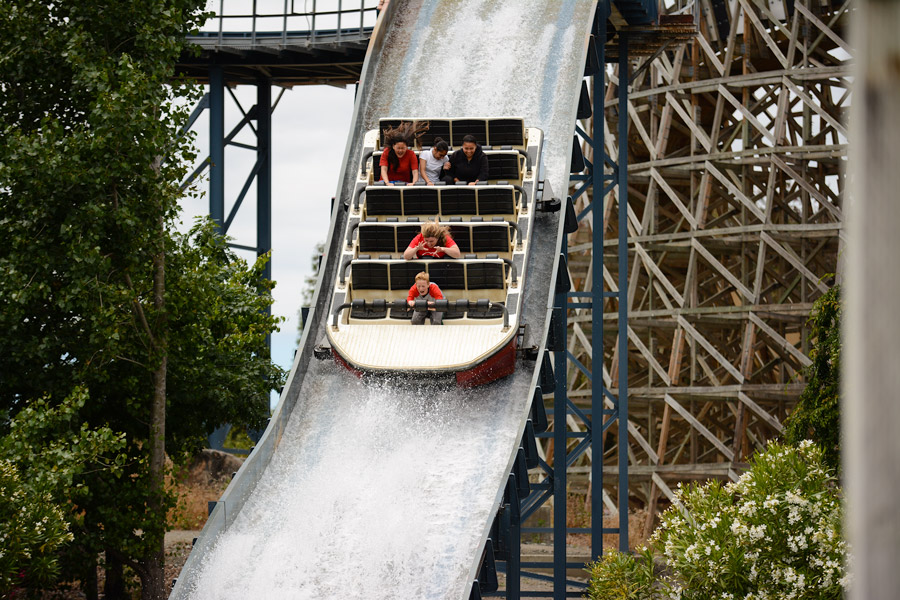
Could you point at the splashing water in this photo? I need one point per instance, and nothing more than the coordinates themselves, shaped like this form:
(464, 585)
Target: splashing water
(368, 495)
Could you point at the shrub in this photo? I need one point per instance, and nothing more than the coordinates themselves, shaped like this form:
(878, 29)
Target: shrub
(621, 576)
(45, 457)
(817, 415)
(774, 534)
(32, 528)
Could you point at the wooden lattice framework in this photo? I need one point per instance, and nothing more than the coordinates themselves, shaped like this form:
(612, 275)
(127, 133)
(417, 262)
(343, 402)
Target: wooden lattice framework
(737, 150)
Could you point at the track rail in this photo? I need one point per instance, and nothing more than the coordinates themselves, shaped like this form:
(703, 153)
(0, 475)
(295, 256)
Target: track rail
(388, 491)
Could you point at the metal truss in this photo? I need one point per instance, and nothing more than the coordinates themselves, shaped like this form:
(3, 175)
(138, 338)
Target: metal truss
(259, 114)
(737, 149)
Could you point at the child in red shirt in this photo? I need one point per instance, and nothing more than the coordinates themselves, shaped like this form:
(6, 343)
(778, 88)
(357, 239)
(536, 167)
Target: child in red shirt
(425, 290)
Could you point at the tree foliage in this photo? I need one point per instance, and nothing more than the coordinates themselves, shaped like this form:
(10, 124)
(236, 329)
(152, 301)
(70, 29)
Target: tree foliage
(44, 460)
(99, 292)
(817, 415)
(218, 356)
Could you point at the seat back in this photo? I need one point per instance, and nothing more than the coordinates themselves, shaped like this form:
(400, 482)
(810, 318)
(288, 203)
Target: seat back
(426, 202)
(468, 279)
(478, 238)
(497, 131)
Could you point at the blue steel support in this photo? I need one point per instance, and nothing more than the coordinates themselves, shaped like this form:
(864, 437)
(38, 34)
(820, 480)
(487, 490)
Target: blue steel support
(597, 200)
(217, 145)
(513, 565)
(622, 193)
(559, 432)
(264, 176)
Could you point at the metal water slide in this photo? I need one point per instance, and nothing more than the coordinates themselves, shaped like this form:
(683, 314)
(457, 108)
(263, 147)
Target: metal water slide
(388, 489)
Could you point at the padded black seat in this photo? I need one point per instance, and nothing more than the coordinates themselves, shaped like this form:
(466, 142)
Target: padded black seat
(384, 201)
(448, 275)
(420, 201)
(403, 275)
(405, 234)
(490, 238)
(461, 235)
(491, 131)
(506, 132)
(496, 201)
(503, 165)
(369, 276)
(458, 201)
(486, 275)
(470, 237)
(436, 128)
(376, 238)
(464, 127)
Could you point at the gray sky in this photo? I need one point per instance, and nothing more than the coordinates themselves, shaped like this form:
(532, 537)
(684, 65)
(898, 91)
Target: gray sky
(309, 131)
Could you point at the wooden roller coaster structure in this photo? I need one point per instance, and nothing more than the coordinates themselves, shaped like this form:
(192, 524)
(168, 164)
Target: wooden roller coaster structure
(737, 153)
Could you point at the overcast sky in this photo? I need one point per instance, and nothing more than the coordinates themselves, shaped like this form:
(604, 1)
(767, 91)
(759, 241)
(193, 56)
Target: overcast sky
(309, 130)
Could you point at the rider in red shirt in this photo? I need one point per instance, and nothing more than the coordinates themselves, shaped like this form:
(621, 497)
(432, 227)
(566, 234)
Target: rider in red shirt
(423, 289)
(398, 163)
(433, 241)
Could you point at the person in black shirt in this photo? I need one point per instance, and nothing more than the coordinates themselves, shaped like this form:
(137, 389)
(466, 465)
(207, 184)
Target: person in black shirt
(468, 164)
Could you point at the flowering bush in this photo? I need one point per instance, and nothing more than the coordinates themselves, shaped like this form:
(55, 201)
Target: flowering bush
(32, 527)
(44, 458)
(774, 534)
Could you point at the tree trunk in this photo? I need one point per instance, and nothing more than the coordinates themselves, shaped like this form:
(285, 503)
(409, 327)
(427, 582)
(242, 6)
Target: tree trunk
(154, 586)
(89, 583)
(114, 587)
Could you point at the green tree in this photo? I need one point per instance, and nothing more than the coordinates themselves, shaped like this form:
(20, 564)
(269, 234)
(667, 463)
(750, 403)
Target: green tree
(817, 415)
(165, 332)
(45, 458)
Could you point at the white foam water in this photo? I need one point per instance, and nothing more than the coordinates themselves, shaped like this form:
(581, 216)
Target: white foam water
(369, 495)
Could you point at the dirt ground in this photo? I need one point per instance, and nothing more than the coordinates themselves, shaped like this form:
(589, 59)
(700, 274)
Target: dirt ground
(178, 547)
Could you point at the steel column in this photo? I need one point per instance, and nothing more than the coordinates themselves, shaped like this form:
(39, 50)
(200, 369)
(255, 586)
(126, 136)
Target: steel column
(560, 437)
(217, 145)
(598, 387)
(264, 175)
(622, 194)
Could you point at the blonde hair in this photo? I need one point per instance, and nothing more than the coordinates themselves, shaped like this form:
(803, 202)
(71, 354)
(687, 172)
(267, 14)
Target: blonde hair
(436, 230)
(423, 276)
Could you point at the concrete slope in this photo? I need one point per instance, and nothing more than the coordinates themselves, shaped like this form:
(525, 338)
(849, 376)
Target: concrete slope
(388, 490)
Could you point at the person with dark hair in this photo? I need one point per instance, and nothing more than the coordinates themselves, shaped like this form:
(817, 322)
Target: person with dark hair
(433, 163)
(423, 289)
(398, 164)
(468, 164)
(433, 241)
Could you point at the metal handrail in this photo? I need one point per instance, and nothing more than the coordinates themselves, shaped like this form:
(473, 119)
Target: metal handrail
(291, 13)
(515, 273)
(462, 305)
(522, 191)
